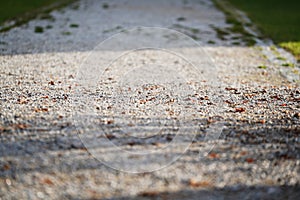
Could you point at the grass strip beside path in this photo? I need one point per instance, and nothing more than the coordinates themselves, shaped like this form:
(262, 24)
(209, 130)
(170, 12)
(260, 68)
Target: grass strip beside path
(21, 11)
(277, 19)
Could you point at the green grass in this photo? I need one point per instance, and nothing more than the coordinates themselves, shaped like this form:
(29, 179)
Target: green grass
(39, 29)
(24, 10)
(288, 65)
(74, 25)
(277, 19)
(12, 8)
(262, 67)
(236, 24)
(293, 46)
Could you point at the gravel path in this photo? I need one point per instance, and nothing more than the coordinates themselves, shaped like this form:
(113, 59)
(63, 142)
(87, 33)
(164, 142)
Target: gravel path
(220, 122)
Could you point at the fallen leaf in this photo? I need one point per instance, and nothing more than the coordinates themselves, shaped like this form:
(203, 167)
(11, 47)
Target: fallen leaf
(249, 160)
(22, 100)
(148, 194)
(143, 101)
(240, 109)
(210, 120)
(230, 89)
(171, 112)
(6, 167)
(131, 143)
(20, 126)
(286, 156)
(213, 155)
(195, 183)
(41, 109)
(110, 136)
(110, 121)
(228, 102)
(47, 181)
(157, 144)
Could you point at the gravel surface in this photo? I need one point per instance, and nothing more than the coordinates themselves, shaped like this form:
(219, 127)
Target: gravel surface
(227, 131)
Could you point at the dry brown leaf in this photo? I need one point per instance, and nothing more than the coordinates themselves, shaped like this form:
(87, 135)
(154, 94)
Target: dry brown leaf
(195, 183)
(22, 100)
(240, 109)
(20, 126)
(157, 144)
(230, 89)
(149, 194)
(213, 155)
(47, 181)
(110, 136)
(143, 101)
(6, 167)
(131, 143)
(41, 110)
(110, 121)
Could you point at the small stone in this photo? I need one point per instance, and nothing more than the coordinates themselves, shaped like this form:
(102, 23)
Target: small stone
(8, 182)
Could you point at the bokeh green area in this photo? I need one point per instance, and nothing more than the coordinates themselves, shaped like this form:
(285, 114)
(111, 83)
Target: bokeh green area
(10, 9)
(277, 19)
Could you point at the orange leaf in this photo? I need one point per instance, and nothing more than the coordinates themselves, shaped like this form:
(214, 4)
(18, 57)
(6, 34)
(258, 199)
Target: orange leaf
(195, 183)
(240, 109)
(47, 181)
(213, 155)
(6, 167)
